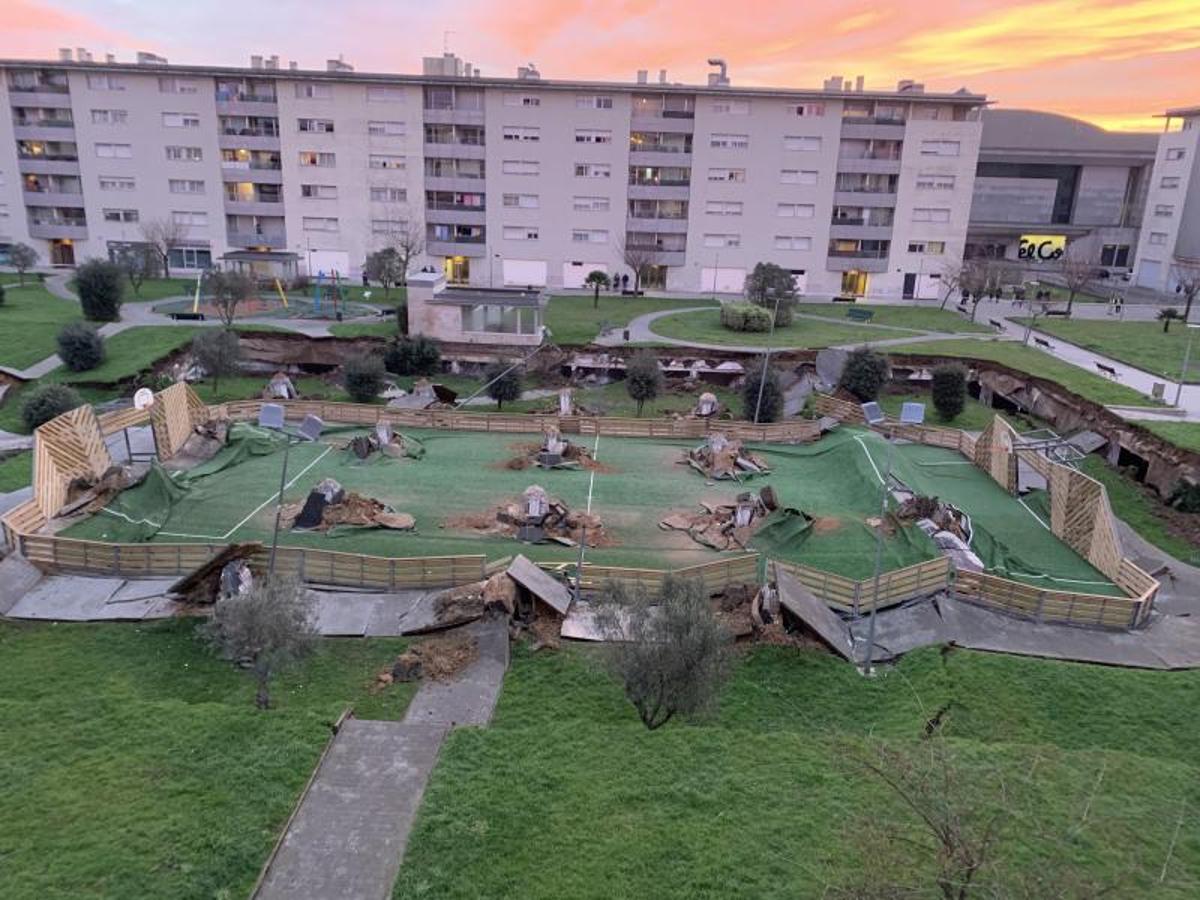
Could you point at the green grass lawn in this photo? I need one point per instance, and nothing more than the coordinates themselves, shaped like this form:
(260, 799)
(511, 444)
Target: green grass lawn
(974, 417)
(386, 327)
(916, 318)
(30, 319)
(142, 769)
(132, 351)
(1141, 344)
(706, 328)
(614, 400)
(567, 795)
(1139, 508)
(158, 289)
(572, 319)
(1034, 362)
(16, 472)
(1181, 434)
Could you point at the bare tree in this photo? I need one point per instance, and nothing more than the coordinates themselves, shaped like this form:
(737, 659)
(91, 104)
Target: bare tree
(227, 290)
(950, 279)
(264, 630)
(668, 650)
(976, 278)
(405, 235)
(1037, 309)
(638, 257)
(386, 267)
(1078, 268)
(23, 258)
(1186, 275)
(218, 351)
(138, 262)
(164, 235)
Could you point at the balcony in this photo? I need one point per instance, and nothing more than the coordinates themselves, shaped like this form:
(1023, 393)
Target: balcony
(873, 197)
(868, 165)
(43, 129)
(662, 191)
(48, 165)
(253, 206)
(474, 248)
(246, 102)
(58, 229)
(455, 151)
(863, 231)
(247, 139)
(275, 240)
(453, 116)
(53, 198)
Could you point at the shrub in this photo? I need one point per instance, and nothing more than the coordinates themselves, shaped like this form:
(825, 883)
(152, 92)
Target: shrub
(745, 317)
(417, 355)
(363, 375)
(865, 374)
(101, 285)
(785, 315)
(503, 385)
(949, 390)
(1, 295)
(770, 406)
(1185, 497)
(46, 402)
(217, 351)
(643, 378)
(80, 347)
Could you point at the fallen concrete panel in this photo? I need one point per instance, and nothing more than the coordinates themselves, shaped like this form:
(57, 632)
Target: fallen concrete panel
(69, 598)
(18, 576)
(425, 615)
(800, 602)
(541, 584)
(343, 615)
(903, 628)
(391, 611)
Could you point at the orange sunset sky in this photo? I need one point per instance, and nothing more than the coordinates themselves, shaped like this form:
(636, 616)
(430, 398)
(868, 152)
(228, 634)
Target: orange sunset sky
(1114, 62)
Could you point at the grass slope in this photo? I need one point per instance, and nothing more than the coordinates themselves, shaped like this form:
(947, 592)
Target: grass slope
(1139, 509)
(706, 328)
(132, 351)
(16, 472)
(135, 764)
(572, 319)
(1140, 344)
(30, 319)
(1181, 434)
(917, 318)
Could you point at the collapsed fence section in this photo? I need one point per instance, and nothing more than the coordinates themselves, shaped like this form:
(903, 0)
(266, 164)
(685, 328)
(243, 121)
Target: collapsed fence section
(857, 597)
(1040, 605)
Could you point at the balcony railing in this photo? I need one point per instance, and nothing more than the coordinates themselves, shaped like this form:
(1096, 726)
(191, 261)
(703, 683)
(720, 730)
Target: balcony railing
(874, 120)
(44, 123)
(859, 254)
(245, 96)
(655, 214)
(70, 223)
(52, 189)
(231, 131)
(865, 189)
(455, 207)
(251, 164)
(849, 220)
(276, 240)
(49, 157)
(43, 88)
(261, 198)
(657, 248)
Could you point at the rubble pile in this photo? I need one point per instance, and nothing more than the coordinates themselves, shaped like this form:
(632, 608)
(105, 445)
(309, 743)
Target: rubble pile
(425, 394)
(706, 406)
(946, 524)
(89, 494)
(328, 505)
(537, 518)
(727, 526)
(435, 658)
(722, 457)
(280, 387)
(206, 439)
(554, 452)
(385, 441)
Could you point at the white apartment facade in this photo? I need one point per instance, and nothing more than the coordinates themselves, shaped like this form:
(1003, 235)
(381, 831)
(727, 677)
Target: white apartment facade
(512, 182)
(1171, 229)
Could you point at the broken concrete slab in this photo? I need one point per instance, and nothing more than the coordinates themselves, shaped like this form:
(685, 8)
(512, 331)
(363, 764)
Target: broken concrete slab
(18, 576)
(74, 598)
(797, 600)
(541, 584)
(900, 629)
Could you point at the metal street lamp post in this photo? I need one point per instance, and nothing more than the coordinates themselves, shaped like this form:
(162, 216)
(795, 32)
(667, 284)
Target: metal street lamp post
(1187, 357)
(762, 380)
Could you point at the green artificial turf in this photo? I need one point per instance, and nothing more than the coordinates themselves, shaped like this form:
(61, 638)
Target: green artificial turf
(1141, 510)
(706, 328)
(16, 472)
(567, 795)
(1140, 344)
(30, 320)
(134, 763)
(573, 320)
(916, 318)
(613, 400)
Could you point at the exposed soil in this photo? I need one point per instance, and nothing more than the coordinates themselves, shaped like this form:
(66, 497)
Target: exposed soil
(439, 659)
(826, 524)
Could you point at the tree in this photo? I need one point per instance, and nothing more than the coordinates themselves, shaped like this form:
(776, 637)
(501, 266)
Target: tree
(1186, 275)
(386, 267)
(949, 388)
(163, 236)
(643, 378)
(226, 290)
(264, 630)
(762, 399)
(218, 351)
(138, 262)
(1, 295)
(597, 279)
(22, 257)
(101, 286)
(774, 289)
(668, 650)
(638, 257)
(363, 374)
(80, 346)
(503, 383)
(865, 374)
(407, 238)
(1078, 269)
(949, 279)
(978, 277)
(46, 402)
(1167, 316)
(416, 355)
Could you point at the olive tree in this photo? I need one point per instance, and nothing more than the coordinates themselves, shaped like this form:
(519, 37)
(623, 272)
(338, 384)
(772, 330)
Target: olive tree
(218, 352)
(503, 383)
(643, 378)
(22, 257)
(227, 290)
(387, 267)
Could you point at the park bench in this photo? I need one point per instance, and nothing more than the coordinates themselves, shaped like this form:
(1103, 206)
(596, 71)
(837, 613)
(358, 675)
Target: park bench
(999, 326)
(962, 308)
(1057, 312)
(187, 316)
(1042, 342)
(1108, 370)
(860, 315)
(841, 299)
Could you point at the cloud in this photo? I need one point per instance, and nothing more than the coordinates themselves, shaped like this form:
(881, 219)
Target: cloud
(32, 27)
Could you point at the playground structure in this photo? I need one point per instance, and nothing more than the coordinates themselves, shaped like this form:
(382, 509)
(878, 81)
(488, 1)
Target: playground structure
(72, 446)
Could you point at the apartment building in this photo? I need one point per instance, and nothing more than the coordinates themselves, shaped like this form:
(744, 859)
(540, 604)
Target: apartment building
(513, 182)
(1171, 234)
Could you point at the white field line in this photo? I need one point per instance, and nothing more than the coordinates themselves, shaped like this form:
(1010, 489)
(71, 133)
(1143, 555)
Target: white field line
(871, 461)
(592, 480)
(1032, 513)
(273, 496)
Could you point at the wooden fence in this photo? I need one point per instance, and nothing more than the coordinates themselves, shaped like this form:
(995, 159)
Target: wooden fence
(1065, 607)
(715, 576)
(858, 597)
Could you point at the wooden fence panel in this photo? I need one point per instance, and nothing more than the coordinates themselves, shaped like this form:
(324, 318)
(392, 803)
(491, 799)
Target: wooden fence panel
(1042, 605)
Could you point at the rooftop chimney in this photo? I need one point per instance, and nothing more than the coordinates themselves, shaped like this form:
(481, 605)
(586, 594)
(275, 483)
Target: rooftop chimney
(641, 76)
(82, 55)
(256, 62)
(858, 83)
(145, 58)
(273, 62)
(64, 54)
(528, 72)
(112, 58)
(662, 76)
(293, 65)
(833, 83)
(338, 65)
(718, 79)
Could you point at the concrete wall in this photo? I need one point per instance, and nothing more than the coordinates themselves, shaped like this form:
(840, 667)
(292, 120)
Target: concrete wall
(1163, 236)
(1013, 200)
(1100, 195)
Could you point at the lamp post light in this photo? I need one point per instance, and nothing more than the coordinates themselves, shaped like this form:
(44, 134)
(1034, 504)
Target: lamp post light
(1187, 358)
(272, 416)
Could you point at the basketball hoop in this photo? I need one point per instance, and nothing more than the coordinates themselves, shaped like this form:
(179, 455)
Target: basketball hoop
(143, 398)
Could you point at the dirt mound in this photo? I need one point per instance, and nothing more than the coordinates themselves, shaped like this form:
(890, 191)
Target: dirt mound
(826, 524)
(536, 518)
(727, 526)
(720, 457)
(328, 506)
(438, 659)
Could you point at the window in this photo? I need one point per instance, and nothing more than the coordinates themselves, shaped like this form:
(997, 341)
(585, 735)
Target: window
(101, 81)
(737, 176)
(723, 207)
(116, 183)
(729, 141)
(309, 158)
(930, 181)
(593, 101)
(1174, 153)
(589, 236)
(319, 223)
(929, 248)
(939, 148)
(731, 107)
(312, 90)
(1158, 238)
(522, 100)
(189, 219)
(383, 161)
(1115, 255)
(811, 110)
(185, 186)
(802, 143)
(114, 151)
(925, 214)
(489, 317)
(591, 204)
(388, 226)
(388, 195)
(520, 201)
(520, 167)
(180, 120)
(722, 240)
(520, 232)
(110, 117)
(593, 170)
(1169, 182)
(386, 129)
(795, 210)
(120, 215)
(1164, 210)
(315, 126)
(185, 154)
(521, 133)
(176, 86)
(318, 191)
(593, 136)
(385, 94)
(798, 176)
(792, 242)
(190, 258)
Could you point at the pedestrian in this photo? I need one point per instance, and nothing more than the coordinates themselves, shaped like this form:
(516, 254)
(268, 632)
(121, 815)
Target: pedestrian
(366, 281)
(625, 282)
(1120, 303)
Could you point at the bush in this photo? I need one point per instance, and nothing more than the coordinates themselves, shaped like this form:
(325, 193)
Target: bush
(745, 317)
(46, 402)
(1, 295)
(80, 347)
(949, 390)
(217, 351)
(101, 286)
(643, 378)
(1185, 497)
(363, 375)
(770, 409)
(503, 385)
(417, 355)
(865, 374)
(786, 313)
